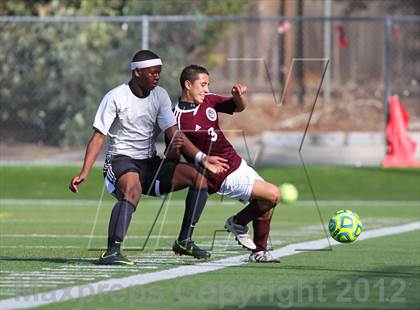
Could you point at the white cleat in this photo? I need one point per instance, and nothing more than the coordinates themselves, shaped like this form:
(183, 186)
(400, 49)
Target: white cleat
(262, 257)
(241, 234)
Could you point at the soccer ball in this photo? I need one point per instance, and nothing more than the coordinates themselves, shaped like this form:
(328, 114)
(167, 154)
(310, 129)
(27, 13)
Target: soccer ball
(345, 226)
(288, 193)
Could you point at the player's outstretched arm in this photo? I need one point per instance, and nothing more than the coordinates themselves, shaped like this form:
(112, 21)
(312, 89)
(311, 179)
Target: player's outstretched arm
(239, 97)
(93, 149)
(214, 164)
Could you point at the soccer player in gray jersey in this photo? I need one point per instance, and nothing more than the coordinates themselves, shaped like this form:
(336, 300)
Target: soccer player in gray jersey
(128, 115)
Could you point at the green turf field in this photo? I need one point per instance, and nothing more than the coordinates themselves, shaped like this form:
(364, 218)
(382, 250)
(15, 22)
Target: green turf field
(50, 236)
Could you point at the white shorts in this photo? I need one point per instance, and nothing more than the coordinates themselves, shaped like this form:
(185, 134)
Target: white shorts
(238, 185)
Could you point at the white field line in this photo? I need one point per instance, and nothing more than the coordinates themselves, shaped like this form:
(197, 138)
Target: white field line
(96, 270)
(111, 285)
(72, 221)
(43, 275)
(40, 247)
(6, 293)
(54, 274)
(48, 278)
(75, 236)
(64, 247)
(35, 281)
(74, 202)
(84, 269)
(31, 285)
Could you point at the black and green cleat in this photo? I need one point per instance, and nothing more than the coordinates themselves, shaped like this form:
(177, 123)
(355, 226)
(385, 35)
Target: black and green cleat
(188, 247)
(113, 259)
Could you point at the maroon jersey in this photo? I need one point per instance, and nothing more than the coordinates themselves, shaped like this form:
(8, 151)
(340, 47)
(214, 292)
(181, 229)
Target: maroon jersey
(200, 124)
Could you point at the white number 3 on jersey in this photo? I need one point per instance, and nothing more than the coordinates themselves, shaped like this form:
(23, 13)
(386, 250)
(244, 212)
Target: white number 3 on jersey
(212, 133)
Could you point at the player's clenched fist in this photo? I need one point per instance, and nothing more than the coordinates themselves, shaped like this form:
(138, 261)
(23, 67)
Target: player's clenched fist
(75, 182)
(238, 89)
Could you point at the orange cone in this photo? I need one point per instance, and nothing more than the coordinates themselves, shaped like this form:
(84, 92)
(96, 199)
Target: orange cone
(400, 147)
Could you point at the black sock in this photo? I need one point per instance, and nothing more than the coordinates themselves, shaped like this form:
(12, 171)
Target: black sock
(194, 205)
(118, 224)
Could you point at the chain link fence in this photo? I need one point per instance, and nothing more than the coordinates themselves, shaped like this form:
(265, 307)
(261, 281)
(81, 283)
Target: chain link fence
(54, 71)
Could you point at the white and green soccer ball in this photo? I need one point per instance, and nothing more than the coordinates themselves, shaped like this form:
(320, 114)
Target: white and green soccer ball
(345, 226)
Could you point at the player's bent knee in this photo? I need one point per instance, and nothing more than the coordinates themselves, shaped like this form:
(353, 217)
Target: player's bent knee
(266, 192)
(274, 195)
(132, 194)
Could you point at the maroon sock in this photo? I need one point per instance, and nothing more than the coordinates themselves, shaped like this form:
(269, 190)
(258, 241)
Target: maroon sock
(252, 211)
(247, 214)
(261, 232)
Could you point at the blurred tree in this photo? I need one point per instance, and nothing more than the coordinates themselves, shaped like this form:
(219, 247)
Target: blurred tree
(53, 75)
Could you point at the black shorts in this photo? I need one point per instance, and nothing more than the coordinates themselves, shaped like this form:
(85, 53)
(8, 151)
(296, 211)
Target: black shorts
(155, 173)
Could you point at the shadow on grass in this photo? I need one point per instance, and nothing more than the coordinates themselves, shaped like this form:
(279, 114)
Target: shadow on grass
(384, 288)
(402, 271)
(187, 261)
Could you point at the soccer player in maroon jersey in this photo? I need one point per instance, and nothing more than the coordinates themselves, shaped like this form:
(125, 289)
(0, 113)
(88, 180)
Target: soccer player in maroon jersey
(197, 116)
